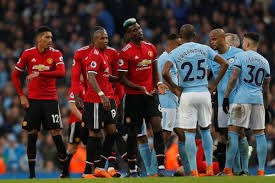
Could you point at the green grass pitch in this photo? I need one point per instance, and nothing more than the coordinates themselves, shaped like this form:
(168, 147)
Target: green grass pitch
(249, 179)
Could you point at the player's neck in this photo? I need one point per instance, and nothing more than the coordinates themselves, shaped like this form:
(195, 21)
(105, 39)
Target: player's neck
(223, 49)
(42, 49)
(252, 49)
(137, 43)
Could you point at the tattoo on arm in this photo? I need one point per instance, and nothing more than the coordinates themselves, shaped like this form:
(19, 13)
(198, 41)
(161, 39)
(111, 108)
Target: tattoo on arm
(232, 81)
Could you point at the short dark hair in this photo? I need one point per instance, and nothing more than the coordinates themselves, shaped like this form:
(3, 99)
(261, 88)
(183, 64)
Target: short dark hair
(173, 36)
(187, 32)
(95, 29)
(253, 36)
(42, 29)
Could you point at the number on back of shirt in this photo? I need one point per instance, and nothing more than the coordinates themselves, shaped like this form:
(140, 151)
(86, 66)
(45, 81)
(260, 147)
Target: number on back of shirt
(258, 76)
(55, 118)
(189, 66)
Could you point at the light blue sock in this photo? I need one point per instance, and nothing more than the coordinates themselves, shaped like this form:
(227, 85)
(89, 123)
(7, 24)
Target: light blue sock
(243, 147)
(233, 145)
(184, 159)
(207, 144)
(237, 163)
(154, 163)
(191, 149)
(261, 149)
(145, 153)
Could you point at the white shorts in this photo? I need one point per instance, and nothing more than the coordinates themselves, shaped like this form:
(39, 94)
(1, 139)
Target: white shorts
(169, 117)
(143, 130)
(223, 118)
(248, 116)
(194, 107)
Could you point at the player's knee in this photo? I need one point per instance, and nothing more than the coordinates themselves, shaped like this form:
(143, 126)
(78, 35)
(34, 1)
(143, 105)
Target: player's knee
(142, 140)
(94, 133)
(33, 132)
(255, 132)
(110, 129)
(55, 132)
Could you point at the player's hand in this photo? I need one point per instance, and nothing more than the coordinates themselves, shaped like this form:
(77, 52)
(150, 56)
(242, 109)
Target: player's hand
(32, 75)
(267, 117)
(78, 102)
(162, 88)
(225, 105)
(144, 90)
(24, 101)
(106, 103)
(211, 88)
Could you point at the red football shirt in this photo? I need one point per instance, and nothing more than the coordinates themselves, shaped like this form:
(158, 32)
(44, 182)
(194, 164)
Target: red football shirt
(78, 67)
(41, 87)
(137, 61)
(97, 64)
(73, 118)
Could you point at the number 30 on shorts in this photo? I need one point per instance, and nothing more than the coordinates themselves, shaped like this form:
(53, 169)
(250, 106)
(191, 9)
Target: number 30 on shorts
(55, 118)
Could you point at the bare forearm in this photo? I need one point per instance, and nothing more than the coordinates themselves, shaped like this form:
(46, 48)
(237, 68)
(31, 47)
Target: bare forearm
(127, 83)
(75, 111)
(220, 74)
(231, 84)
(156, 77)
(93, 83)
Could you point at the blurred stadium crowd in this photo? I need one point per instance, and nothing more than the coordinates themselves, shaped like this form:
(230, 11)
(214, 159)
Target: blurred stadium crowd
(72, 20)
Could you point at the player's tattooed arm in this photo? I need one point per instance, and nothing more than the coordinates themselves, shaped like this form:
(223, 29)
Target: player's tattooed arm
(232, 81)
(94, 85)
(168, 79)
(266, 92)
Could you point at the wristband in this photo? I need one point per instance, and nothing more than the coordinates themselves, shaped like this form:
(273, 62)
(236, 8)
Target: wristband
(159, 83)
(100, 93)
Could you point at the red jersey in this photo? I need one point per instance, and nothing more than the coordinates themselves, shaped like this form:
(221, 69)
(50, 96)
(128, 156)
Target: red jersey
(42, 87)
(137, 61)
(73, 118)
(97, 64)
(80, 66)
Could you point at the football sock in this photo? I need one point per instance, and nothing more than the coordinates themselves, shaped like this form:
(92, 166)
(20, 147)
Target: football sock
(220, 154)
(207, 144)
(145, 153)
(31, 152)
(132, 152)
(107, 149)
(98, 151)
(159, 148)
(243, 148)
(233, 146)
(261, 149)
(154, 163)
(184, 159)
(90, 155)
(237, 163)
(191, 149)
(62, 154)
(70, 156)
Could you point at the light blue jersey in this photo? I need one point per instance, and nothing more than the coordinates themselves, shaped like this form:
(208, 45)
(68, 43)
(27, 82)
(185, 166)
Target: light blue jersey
(168, 100)
(229, 56)
(191, 61)
(254, 69)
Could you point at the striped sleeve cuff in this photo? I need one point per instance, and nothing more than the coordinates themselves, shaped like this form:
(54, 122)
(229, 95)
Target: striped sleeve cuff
(19, 68)
(92, 72)
(238, 66)
(123, 70)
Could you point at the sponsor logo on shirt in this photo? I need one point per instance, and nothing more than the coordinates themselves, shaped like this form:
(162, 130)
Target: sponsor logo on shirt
(49, 60)
(150, 53)
(41, 67)
(144, 62)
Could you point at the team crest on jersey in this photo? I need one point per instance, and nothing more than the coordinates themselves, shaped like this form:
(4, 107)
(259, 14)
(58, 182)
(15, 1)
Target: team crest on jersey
(41, 67)
(231, 60)
(25, 123)
(93, 64)
(144, 62)
(150, 53)
(120, 62)
(49, 60)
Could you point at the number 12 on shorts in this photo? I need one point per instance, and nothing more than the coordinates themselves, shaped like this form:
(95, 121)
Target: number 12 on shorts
(55, 118)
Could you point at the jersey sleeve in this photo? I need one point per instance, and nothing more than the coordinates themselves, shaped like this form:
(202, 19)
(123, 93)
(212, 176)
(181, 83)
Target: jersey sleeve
(211, 54)
(75, 75)
(171, 57)
(93, 63)
(238, 63)
(123, 61)
(114, 64)
(267, 71)
(22, 62)
(59, 58)
(155, 53)
(71, 96)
